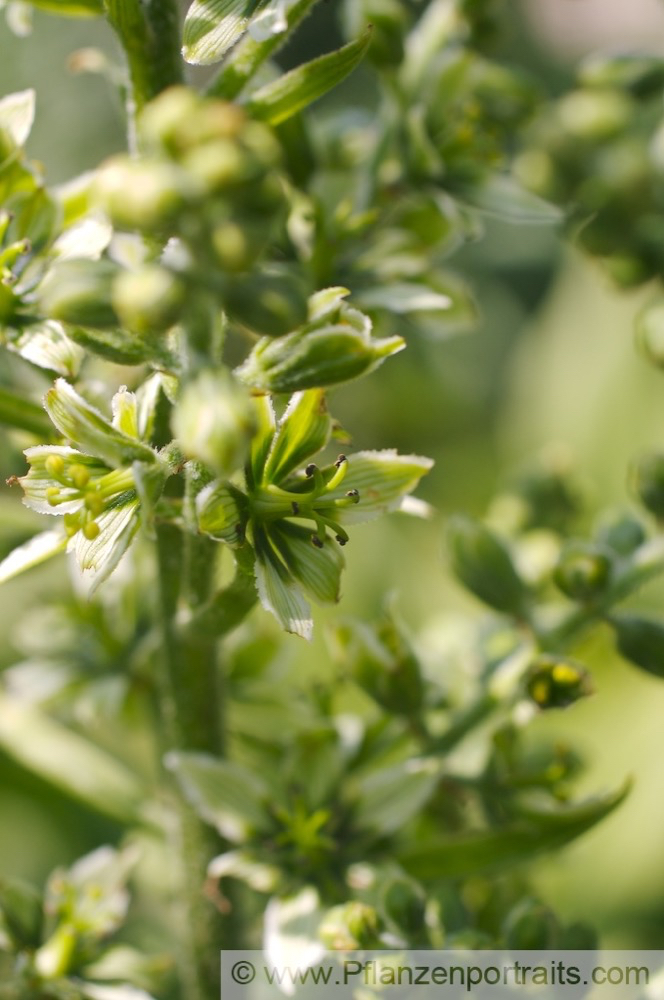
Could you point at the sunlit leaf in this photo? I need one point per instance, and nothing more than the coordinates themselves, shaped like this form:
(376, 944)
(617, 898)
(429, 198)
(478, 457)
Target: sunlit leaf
(212, 26)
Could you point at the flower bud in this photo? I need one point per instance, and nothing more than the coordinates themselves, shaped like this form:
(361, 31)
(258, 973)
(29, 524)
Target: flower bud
(381, 662)
(623, 533)
(404, 904)
(272, 302)
(148, 300)
(214, 421)
(583, 571)
(79, 292)
(163, 119)
(555, 682)
(483, 564)
(222, 513)
(54, 958)
(594, 115)
(648, 482)
(640, 640)
(21, 910)
(531, 926)
(349, 927)
(219, 165)
(144, 194)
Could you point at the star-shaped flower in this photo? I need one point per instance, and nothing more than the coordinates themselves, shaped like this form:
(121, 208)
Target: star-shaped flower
(295, 512)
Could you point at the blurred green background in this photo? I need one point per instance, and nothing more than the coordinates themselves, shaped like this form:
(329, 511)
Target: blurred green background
(551, 361)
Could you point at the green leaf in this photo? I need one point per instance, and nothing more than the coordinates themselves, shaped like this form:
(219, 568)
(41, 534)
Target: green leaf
(250, 53)
(82, 424)
(404, 297)
(17, 114)
(386, 799)
(484, 565)
(223, 793)
(640, 640)
(212, 26)
(121, 348)
(69, 762)
(16, 411)
(34, 552)
(303, 431)
(504, 197)
(492, 850)
(277, 101)
(278, 592)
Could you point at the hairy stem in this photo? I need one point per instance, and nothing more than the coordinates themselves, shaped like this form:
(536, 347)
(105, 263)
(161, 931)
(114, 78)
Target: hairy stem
(192, 721)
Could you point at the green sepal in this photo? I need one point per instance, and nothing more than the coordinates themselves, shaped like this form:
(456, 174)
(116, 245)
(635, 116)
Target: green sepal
(278, 590)
(222, 512)
(318, 571)
(277, 101)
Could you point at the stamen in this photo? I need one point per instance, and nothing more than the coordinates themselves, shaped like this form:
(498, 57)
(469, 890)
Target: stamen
(91, 529)
(53, 496)
(310, 469)
(55, 465)
(317, 541)
(341, 466)
(79, 475)
(94, 503)
(340, 461)
(295, 507)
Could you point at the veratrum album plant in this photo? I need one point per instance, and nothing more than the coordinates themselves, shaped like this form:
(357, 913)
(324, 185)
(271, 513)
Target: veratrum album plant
(174, 325)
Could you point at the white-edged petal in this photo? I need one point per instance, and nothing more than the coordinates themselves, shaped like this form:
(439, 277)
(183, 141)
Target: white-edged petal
(278, 591)
(33, 552)
(383, 479)
(98, 557)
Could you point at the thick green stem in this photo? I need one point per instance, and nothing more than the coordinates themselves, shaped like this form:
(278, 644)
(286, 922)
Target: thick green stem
(191, 713)
(149, 33)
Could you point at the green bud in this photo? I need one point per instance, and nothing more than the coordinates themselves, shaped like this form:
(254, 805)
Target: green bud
(349, 927)
(648, 482)
(148, 300)
(271, 302)
(594, 115)
(403, 902)
(583, 571)
(222, 513)
(214, 421)
(21, 910)
(219, 165)
(555, 682)
(79, 292)
(483, 564)
(163, 120)
(531, 926)
(640, 640)
(147, 195)
(623, 533)
(650, 332)
(235, 248)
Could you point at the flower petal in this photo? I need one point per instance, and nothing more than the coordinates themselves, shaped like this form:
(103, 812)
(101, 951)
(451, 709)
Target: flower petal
(317, 570)
(278, 591)
(98, 557)
(221, 510)
(47, 346)
(266, 425)
(82, 424)
(32, 553)
(303, 431)
(383, 479)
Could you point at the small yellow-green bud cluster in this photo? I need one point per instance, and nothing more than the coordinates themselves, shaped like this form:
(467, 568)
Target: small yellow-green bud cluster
(555, 682)
(76, 482)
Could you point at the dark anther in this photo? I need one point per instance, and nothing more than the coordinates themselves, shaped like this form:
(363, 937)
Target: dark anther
(295, 507)
(310, 469)
(315, 540)
(26, 246)
(340, 461)
(341, 539)
(353, 493)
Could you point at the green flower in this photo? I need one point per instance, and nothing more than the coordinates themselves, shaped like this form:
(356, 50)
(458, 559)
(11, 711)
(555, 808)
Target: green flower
(296, 512)
(98, 487)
